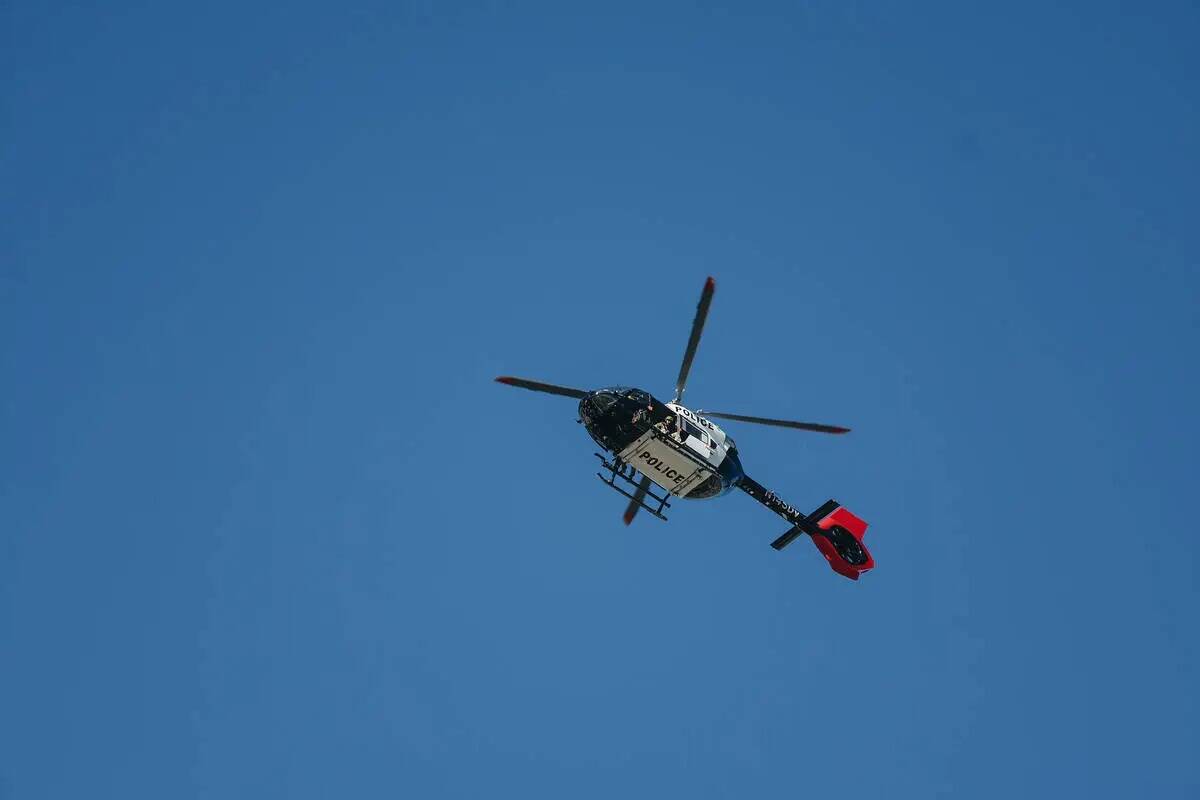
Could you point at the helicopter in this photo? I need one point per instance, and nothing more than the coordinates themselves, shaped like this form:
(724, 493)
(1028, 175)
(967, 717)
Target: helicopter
(655, 451)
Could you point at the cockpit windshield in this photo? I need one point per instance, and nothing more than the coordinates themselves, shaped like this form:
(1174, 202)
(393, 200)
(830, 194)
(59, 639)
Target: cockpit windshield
(604, 400)
(638, 396)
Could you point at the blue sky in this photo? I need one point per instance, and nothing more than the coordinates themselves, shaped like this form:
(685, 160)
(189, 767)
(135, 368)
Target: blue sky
(267, 527)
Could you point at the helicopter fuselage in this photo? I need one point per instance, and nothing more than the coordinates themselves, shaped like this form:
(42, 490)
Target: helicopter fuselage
(687, 455)
(676, 448)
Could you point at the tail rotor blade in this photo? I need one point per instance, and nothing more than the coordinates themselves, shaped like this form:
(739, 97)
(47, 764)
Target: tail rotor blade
(537, 386)
(706, 296)
(779, 423)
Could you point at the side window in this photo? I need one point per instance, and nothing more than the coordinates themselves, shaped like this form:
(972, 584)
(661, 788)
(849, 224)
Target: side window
(693, 430)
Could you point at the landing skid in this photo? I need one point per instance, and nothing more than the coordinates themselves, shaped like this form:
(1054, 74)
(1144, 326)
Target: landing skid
(619, 469)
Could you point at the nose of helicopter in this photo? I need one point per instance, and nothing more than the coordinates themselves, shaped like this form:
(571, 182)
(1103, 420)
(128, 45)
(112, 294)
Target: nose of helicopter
(596, 402)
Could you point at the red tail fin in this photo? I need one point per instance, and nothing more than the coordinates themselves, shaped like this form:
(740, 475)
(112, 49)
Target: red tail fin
(842, 544)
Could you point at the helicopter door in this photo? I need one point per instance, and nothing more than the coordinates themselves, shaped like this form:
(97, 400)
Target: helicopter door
(676, 469)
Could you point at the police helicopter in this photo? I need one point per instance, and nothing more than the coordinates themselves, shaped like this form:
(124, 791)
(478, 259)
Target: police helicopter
(663, 450)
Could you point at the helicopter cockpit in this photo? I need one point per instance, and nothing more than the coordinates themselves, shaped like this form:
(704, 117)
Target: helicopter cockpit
(616, 415)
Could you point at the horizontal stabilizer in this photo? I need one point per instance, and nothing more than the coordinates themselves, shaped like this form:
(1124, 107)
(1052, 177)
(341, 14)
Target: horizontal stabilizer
(796, 531)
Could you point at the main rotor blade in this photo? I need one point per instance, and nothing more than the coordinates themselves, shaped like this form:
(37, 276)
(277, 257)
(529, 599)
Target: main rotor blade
(694, 340)
(537, 386)
(781, 423)
(636, 502)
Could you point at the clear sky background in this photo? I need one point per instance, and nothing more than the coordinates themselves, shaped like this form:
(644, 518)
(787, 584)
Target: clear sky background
(269, 529)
